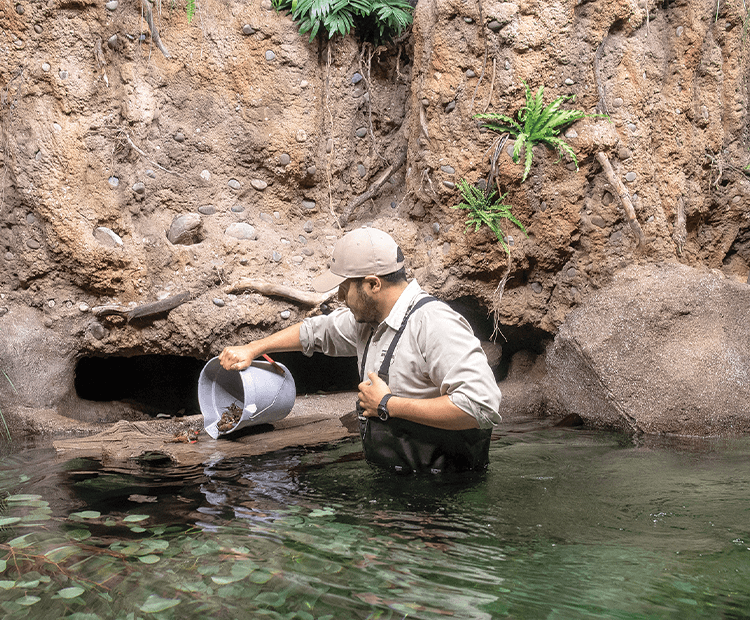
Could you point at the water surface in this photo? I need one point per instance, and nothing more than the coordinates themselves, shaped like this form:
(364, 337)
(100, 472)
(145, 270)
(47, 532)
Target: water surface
(565, 524)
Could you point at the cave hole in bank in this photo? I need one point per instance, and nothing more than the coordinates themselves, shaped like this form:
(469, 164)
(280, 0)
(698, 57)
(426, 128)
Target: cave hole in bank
(168, 384)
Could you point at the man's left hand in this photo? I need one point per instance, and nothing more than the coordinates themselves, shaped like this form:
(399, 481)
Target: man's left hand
(371, 392)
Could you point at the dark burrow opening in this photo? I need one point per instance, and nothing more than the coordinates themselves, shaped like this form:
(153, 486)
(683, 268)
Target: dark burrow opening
(168, 384)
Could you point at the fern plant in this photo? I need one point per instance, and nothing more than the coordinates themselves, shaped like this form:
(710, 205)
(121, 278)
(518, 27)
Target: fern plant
(376, 21)
(485, 209)
(537, 124)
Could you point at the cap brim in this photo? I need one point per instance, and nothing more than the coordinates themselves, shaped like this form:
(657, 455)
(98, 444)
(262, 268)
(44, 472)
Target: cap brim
(327, 281)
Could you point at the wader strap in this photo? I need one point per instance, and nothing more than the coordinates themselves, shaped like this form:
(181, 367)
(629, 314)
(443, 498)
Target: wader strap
(385, 366)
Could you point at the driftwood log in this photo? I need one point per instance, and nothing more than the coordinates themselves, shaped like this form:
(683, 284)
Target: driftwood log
(143, 311)
(280, 290)
(624, 198)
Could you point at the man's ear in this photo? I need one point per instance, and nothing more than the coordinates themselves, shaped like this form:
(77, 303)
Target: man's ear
(373, 283)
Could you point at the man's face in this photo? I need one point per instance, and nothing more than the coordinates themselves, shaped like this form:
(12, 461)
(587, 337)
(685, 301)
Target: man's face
(354, 294)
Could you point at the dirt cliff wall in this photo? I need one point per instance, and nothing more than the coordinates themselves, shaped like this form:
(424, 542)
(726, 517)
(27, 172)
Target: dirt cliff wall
(128, 176)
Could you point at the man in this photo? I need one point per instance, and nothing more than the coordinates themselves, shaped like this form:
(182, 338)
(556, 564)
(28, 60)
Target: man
(428, 399)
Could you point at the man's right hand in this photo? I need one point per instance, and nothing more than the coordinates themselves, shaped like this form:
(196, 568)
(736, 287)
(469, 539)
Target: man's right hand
(238, 358)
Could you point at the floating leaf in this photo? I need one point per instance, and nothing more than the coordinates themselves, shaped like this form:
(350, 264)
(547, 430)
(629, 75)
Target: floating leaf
(79, 534)
(149, 559)
(135, 518)
(137, 529)
(70, 592)
(223, 580)
(20, 542)
(3, 565)
(324, 512)
(9, 521)
(27, 600)
(87, 514)
(22, 498)
(7, 585)
(60, 553)
(156, 604)
(261, 576)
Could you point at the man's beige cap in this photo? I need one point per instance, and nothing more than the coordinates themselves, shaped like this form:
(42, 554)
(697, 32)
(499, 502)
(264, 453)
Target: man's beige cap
(362, 252)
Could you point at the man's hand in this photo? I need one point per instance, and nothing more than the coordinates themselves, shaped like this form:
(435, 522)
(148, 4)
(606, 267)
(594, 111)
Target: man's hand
(371, 392)
(238, 358)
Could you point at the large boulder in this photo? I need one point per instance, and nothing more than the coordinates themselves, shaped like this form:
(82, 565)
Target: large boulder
(664, 349)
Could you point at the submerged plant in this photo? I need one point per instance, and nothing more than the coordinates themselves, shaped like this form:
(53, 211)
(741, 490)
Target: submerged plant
(486, 209)
(536, 124)
(375, 20)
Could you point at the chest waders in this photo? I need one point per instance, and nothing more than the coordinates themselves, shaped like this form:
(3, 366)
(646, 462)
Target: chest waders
(405, 447)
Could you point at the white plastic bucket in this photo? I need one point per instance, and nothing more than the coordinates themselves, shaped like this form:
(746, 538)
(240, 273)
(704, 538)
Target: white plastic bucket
(261, 391)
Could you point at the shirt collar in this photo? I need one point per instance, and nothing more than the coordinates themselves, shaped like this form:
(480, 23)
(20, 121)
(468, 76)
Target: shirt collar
(402, 305)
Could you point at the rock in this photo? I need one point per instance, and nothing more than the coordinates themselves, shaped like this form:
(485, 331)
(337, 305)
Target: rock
(450, 107)
(139, 188)
(361, 170)
(361, 132)
(311, 170)
(630, 177)
(113, 42)
(356, 78)
(247, 29)
(270, 55)
(308, 251)
(448, 169)
(111, 5)
(83, 307)
(97, 330)
(301, 135)
(275, 257)
(4, 310)
(19, 9)
(205, 175)
(494, 25)
(9, 256)
(33, 244)
(207, 209)
(284, 159)
(308, 227)
(237, 209)
(150, 174)
(179, 137)
(470, 73)
(571, 133)
(114, 181)
(308, 204)
(652, 353)
(598, 221)
(186, 229)
(536, 288)
(569, 82)
(46, 67)
(218, 302)
(265, 217)
(259, 184)
(107, 237)
(241, 230)
(234, 184)
(449, 184)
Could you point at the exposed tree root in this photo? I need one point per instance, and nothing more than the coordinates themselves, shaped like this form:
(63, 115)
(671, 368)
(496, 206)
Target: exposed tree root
(680, 232)
(624, 197)
(144, 311)
(149, 17)
(280, 290)
(374, 188)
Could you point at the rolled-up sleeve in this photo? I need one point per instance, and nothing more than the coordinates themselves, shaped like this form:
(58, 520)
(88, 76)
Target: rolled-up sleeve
(455, 361)
(334, 334)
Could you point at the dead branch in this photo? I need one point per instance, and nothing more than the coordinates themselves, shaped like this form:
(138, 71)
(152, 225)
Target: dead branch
(624, 197)
(145, 310)
(373, 190)
(149, 17)
(280, 290)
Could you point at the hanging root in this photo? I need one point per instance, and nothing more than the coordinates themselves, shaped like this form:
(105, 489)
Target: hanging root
(624, 197)
(497, 298)
(149, 17)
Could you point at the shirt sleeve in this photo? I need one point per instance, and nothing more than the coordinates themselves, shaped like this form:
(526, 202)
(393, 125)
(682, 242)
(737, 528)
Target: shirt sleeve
(455, 361)
(334, 334)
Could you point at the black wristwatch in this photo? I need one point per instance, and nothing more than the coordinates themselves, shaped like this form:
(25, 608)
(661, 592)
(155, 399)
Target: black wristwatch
(383, 408)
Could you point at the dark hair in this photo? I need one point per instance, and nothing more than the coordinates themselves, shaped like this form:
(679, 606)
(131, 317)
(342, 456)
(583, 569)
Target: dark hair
(395, 277)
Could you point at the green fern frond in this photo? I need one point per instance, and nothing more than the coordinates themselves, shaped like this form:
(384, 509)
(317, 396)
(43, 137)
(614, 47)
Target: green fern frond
(486, 210)
(190, 10)
(537, 124)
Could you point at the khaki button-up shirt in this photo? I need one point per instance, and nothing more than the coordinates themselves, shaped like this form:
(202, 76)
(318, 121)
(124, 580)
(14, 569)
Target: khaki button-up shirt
(437, 354)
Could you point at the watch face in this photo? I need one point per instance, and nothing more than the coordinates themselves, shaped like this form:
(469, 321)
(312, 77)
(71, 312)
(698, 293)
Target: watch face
(383, 413)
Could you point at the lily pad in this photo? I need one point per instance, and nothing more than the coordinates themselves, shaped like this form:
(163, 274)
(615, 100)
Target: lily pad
(70, 592)
(87, 514)
(149, 559)
(134, 518)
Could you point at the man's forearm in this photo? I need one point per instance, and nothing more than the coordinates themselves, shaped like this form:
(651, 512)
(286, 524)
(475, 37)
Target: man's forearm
(240, 357)
(439, 412)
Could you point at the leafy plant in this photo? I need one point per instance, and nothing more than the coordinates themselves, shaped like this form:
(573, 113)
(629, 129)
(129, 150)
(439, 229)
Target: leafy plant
(190, 9)
(485, 209)
(537, 124)
(376, 20)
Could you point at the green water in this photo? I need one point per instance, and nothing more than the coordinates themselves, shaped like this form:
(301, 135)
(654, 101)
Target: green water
(565, 524)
